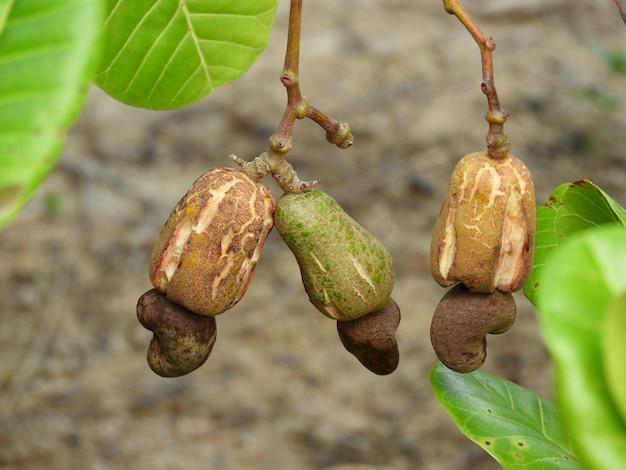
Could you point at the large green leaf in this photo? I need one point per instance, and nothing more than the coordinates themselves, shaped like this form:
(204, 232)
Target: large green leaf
(163, 54)
(579, 283)
(614, 351)
(572, 207)
(517, 427)
(46, 63)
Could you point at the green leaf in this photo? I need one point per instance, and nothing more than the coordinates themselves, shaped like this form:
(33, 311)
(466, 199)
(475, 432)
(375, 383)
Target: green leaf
(5, 8)
(517, 427)
(46, 64)
(572, 208)
(614, 352)
(164, 54)
(579, 283)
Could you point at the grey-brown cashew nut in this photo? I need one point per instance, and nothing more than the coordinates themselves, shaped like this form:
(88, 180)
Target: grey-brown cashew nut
(372, 338)
(182, 340)
(461, 322)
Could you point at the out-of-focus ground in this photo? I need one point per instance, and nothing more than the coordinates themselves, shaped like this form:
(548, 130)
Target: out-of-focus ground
(279, 391)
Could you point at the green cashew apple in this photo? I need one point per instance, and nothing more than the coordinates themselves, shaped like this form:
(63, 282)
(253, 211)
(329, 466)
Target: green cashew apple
(346, 271)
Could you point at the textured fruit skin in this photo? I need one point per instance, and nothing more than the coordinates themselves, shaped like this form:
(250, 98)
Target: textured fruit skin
(346, 271)
(372, 338)
(182, 340)
(485, 234)
(208, 248)
(461, 322)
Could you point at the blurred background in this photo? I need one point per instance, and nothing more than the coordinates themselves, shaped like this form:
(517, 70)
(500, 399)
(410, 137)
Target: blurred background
(279, 391)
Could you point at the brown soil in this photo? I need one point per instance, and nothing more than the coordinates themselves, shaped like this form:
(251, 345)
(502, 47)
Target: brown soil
(279, 390)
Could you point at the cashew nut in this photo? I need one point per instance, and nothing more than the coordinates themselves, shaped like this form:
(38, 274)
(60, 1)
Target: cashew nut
(372, 338)
(461, 322)
(182, 340)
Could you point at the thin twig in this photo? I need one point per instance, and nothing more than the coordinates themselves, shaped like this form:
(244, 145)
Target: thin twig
(497, 142)
(337, 132)
(621, 10)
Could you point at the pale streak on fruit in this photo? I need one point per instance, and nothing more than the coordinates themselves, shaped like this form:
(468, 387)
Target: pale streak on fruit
(484, 236)
(209, 211)
(447, 248)
(510, 264)
(208, 249)
(318, 262)
(361, 271)
(172, 254)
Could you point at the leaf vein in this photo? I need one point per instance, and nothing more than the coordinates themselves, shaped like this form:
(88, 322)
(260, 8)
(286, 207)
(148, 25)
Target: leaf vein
(196, 43)
(128, 42)
(146, 55)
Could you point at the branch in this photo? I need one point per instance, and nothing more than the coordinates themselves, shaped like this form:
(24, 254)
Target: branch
(274, 161)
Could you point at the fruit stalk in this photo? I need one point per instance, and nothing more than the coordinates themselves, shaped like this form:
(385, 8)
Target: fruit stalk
(497, 141)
